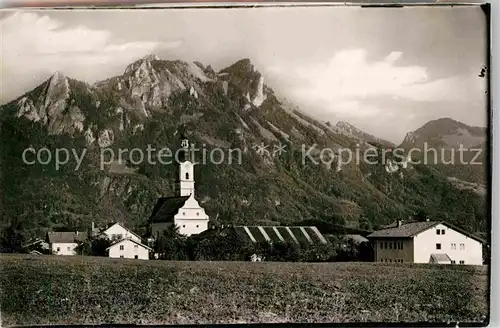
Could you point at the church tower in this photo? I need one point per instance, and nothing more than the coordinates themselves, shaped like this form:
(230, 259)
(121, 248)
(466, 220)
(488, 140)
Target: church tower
(185, 180)
(183, 209)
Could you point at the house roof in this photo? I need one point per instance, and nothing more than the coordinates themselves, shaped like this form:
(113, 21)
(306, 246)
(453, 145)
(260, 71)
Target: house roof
(404, 231)
(409, 230)
(357, 238)
(66, 236)
(299, 235)
(440, 257)
(132, 240)
(166, 208)
(124, 227)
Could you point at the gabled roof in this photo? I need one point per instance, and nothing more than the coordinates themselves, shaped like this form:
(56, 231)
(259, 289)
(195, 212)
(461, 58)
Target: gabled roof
(166, 208)
(66, 236)
(409, 230)
(299, 235)
(404, 231)
(132, 240)
(121, 225)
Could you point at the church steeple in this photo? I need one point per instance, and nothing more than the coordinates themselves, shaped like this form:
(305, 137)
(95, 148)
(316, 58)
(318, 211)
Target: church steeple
(185, 181)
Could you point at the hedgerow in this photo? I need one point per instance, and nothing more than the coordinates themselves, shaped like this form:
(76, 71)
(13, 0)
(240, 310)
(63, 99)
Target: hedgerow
(91, 290)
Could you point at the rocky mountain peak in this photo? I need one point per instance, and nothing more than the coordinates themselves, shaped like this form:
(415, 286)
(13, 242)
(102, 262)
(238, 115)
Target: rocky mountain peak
(150, 57)
(242, 67)
(142, 62)
(248, 80)
(58, 89)
(445, 132)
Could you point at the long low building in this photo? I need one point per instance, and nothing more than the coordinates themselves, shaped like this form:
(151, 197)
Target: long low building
(307, 235)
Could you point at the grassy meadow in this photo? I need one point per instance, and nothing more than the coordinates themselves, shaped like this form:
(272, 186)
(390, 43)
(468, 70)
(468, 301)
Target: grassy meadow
(91, 290)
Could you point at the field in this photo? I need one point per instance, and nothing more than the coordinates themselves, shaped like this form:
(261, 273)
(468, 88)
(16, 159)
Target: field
(89, 290)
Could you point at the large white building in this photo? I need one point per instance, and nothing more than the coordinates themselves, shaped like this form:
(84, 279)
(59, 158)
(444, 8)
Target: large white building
(427, 242)
(182, 210)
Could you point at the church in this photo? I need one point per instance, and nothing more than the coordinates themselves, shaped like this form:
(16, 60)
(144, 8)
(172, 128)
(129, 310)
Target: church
(183, 209)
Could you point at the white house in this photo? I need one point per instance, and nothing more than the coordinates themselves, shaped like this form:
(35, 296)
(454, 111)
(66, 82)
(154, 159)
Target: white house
(427, 242)
(117, 231)
(64, 243)
(183, 210)
(129, 248)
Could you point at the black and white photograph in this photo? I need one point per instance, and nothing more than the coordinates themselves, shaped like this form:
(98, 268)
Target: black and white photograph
(245, 165)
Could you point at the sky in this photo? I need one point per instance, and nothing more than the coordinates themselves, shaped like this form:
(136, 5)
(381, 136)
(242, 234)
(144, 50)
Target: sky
(388, 71)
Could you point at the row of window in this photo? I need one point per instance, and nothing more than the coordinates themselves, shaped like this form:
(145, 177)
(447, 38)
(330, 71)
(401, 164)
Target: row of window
(197, 226)
(197, 213)
(399, 245)
(59, 249)
(391, 245)
(122, 247)
(401, 261)
(439, 231)
(391, 260)
(453, 246)
(135, 257)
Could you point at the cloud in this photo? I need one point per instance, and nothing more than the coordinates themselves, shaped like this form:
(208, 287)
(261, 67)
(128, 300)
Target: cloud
(34, 46)
(393, 56)
(353, 88)
(349, 75)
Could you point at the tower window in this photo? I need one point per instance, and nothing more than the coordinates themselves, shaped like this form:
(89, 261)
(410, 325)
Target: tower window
(187, 176)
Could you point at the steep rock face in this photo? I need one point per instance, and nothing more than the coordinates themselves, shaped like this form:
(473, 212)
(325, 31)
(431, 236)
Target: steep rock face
(246, 81)
(53, 107)
(156, 101)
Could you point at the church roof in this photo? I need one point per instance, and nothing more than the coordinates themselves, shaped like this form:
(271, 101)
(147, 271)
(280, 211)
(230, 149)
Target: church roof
(166, 208)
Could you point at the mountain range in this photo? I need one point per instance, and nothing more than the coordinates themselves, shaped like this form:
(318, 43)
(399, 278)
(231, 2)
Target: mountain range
(155, 102)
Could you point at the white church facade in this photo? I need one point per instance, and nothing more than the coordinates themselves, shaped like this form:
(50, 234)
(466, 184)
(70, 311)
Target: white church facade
(183, 210)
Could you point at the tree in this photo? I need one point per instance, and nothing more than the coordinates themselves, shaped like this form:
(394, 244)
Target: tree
(170, 245)
(93, 246)
(12, 238)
